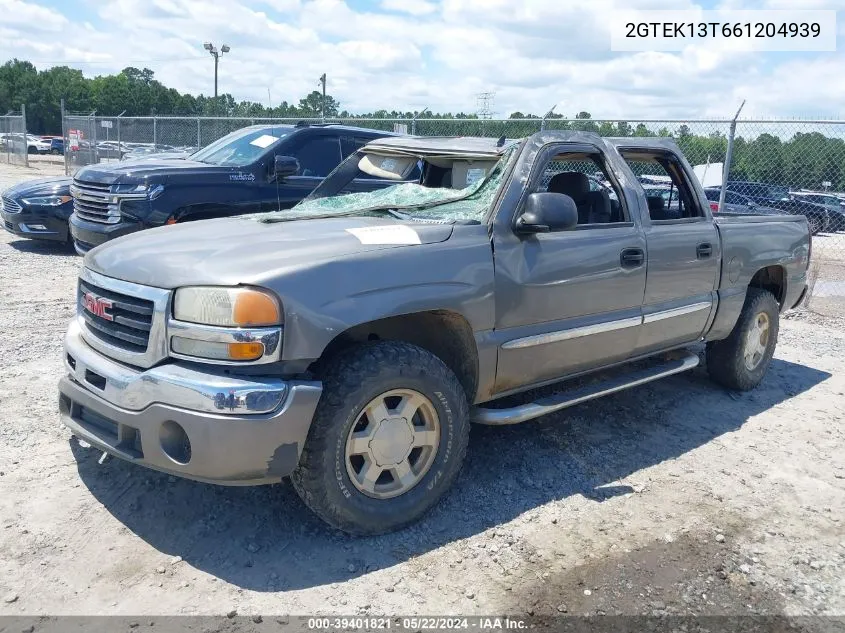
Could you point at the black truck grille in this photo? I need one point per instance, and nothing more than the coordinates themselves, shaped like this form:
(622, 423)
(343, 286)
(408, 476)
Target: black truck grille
(131, 317)
(91, 202)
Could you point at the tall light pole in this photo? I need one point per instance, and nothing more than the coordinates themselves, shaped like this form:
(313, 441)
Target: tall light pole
(323, 107)
(212, 49)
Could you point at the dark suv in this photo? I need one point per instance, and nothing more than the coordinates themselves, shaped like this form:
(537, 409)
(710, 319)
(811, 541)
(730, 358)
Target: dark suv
(257, 168)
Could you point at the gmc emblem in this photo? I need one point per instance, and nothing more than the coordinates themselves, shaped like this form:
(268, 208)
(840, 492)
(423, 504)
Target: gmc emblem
(97, 306)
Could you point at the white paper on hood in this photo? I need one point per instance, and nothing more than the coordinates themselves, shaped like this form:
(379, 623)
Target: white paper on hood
(394, 234)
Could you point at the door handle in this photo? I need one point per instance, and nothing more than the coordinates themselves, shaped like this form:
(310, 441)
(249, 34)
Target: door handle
(703, 251)
(632, 258)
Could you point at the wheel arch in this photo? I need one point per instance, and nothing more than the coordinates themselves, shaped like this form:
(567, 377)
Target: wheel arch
(445, 333)
(773, 279)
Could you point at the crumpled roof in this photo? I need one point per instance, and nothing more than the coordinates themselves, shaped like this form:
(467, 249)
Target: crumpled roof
(460, 146)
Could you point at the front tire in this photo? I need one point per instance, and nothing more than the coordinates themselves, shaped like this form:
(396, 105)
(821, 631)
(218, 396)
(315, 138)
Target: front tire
(741, 360)
(388, 438)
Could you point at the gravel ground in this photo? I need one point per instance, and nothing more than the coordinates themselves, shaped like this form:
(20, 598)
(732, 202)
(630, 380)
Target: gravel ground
(674, 498)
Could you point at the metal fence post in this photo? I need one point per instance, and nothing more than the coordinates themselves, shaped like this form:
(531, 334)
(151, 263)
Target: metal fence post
(199, 133)
(726, 168)
(155, 132)
(25, 139)
(546, 116)
(93, 126)
(65, 143)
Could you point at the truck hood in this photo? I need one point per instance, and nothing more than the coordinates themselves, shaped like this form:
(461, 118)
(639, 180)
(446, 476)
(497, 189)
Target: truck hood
(160, 169)
(41, 187)
(233, 251)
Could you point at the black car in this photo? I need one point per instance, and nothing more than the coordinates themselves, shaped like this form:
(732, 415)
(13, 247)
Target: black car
(835, 207)
(38, 209)
(759, 192)
(257, 168)
(776, 197)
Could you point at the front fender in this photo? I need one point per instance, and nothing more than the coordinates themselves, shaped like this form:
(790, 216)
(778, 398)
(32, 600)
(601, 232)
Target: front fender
(324, 301)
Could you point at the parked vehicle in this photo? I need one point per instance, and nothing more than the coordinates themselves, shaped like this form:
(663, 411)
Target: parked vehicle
(759, 192)
(38, 209)
(57, 146)
(349, 342)
(143, 150)
(258, 168)
(736, 204)
(777, 197)
(834, 205)
(34, 145)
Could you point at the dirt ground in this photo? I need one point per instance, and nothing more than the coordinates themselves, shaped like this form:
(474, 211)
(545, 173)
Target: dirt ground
(674, 498)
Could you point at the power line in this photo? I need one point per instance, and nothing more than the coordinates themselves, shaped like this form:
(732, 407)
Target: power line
(128, 61)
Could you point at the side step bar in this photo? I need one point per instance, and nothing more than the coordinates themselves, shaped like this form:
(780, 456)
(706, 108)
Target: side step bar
(556, 402)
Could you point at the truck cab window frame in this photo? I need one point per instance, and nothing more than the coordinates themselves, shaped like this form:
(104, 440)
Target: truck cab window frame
(600, 179)
(689, 208)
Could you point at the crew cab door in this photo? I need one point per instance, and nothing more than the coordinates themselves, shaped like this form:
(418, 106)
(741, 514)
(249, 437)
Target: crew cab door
(565, 301)
(684, 254)
(318, 153)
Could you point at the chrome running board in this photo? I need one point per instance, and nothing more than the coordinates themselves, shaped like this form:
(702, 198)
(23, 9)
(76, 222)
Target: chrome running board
(558, 401)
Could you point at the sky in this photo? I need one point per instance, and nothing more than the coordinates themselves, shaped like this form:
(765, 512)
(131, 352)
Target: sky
(412, 54)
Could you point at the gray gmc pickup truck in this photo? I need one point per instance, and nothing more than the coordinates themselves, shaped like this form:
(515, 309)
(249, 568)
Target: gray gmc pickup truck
(349, 342)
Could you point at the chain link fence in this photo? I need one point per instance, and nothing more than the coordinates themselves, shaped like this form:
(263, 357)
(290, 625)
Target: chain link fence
(14, 145)
(777, 166)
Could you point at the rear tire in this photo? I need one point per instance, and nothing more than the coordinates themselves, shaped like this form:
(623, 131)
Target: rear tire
(740, 361)
(354, 472)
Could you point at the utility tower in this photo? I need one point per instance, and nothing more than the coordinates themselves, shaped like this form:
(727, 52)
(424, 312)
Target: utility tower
(484, 105)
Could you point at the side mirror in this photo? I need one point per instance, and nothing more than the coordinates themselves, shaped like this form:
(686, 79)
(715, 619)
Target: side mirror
(285, 166)
(547, 212)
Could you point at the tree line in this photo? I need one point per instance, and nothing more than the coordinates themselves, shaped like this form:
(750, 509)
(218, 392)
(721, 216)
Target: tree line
(802, 159)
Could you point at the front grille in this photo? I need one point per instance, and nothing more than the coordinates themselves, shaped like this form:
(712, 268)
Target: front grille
(91, 202)
(10, 206)
(9, 226)
(131, 323)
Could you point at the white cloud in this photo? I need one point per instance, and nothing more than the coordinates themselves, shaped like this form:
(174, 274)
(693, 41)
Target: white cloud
(30, 16)
(414, 7)
(406, 55)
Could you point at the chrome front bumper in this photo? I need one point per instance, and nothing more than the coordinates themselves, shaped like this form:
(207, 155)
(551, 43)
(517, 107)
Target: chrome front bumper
(199, 424)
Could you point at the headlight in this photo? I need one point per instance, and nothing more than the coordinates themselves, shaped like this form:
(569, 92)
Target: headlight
(232, 307)
(47, 201)
(142, 190)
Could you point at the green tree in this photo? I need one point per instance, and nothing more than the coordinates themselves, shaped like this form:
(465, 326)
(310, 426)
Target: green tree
(311, 105)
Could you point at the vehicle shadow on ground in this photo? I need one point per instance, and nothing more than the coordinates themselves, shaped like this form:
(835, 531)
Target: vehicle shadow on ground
(43, 247)
(265, 539)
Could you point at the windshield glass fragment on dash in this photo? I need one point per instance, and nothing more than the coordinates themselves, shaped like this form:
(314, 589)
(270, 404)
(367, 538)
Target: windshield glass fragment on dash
(415, 201)
(240, 148)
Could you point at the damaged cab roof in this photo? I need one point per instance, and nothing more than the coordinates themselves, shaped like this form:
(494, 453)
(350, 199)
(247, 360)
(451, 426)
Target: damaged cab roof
(431, 146)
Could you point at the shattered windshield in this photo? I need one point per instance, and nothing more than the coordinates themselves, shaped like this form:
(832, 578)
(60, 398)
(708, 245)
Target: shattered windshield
(406, 200)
